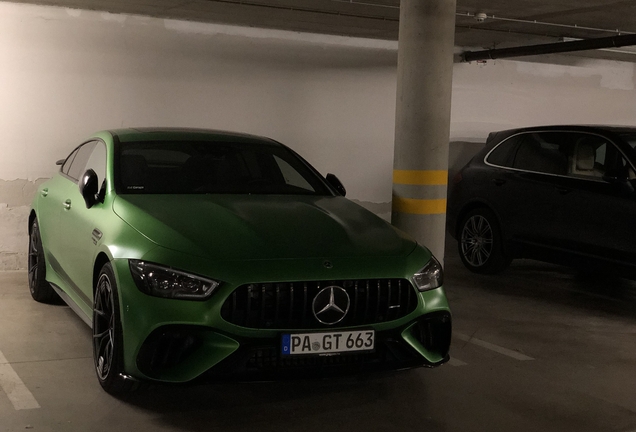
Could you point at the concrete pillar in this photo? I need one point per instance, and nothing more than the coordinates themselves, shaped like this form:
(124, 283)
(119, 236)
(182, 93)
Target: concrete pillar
(422, 124)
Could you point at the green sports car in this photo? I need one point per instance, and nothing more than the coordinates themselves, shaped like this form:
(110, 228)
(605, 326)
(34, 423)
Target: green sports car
(197, 254)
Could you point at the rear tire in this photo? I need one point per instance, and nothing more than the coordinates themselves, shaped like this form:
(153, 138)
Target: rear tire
(40, 289)
(108, 352)
(480, 242)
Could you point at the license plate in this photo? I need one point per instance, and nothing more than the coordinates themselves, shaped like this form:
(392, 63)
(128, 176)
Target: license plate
(327, 343)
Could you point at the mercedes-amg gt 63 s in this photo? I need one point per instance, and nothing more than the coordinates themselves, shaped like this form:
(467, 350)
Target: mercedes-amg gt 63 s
(199, 254)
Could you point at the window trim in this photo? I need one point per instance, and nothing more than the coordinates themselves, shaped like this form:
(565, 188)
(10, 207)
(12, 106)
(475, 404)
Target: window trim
(596, 180)
(72, 153)
(95, 140)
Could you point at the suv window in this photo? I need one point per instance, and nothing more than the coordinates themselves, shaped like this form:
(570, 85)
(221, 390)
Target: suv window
(573, 154)
(544, 152)
(589, 155)
(503, 154)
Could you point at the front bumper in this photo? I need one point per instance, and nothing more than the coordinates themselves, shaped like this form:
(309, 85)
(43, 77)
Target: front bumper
(180, 341)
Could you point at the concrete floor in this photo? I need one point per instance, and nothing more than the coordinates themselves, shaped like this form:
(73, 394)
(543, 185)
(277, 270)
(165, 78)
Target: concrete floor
(538, 348)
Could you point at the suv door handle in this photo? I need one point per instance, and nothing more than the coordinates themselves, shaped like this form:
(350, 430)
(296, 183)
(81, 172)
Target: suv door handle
(498, 181)
(44, 192)
(67, 204)
(563, 190)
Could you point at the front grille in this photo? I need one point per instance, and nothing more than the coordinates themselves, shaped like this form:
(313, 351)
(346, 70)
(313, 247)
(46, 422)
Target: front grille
(289, 305)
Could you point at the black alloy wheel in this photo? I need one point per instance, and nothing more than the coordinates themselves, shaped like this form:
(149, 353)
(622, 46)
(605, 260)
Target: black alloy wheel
(480, 242)
(40, 289)
(107, 337)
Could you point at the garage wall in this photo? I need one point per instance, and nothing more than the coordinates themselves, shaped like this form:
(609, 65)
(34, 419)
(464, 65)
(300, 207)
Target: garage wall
(65, 74)
(562, 89)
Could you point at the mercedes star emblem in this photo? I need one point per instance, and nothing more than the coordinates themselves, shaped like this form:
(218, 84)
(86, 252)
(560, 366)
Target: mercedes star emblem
(331, 305)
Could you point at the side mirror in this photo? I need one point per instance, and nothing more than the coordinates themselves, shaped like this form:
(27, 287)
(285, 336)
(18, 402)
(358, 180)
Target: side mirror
(336, 184)
(60, 162)
(88, 188)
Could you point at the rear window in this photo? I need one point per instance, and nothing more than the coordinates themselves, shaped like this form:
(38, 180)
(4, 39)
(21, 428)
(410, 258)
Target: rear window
(196, 167)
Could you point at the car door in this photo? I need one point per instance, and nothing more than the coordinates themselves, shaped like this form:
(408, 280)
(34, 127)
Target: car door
(49, 207)
(597, 205)
(523, 193)
(76, 224)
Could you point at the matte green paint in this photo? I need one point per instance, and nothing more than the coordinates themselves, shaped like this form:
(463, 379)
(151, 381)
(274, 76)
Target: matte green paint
(231, 238)
(262, 226)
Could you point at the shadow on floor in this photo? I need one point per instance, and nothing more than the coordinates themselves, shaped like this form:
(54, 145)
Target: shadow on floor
(550, 283)
(377, 402)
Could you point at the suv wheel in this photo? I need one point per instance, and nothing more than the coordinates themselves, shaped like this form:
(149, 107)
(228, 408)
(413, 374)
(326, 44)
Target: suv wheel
(480, 242)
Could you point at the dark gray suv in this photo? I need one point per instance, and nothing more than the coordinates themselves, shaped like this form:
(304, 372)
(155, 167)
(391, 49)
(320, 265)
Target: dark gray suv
(563, 194)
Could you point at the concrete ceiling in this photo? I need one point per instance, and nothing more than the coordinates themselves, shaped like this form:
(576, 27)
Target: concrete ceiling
(508, 22)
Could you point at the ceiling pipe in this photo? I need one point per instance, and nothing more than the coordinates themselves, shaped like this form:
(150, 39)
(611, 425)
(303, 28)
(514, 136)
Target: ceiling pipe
(551, 48)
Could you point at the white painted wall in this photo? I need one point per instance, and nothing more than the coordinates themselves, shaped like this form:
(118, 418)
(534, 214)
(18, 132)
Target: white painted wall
(559, 90)
(65, 74)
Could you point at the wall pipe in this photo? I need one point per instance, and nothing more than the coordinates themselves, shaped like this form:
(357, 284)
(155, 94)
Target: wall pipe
(551, 48)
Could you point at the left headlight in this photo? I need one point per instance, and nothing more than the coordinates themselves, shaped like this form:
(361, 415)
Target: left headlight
(430, 277)
(166, 282)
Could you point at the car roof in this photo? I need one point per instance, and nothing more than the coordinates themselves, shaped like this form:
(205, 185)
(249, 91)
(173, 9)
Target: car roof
(184, 134)
(574, 128)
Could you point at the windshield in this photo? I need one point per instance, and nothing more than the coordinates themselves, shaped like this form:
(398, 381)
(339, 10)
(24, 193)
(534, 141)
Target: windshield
(196, 167)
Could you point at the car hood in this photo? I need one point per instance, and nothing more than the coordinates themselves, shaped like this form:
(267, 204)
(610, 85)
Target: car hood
(239, 227)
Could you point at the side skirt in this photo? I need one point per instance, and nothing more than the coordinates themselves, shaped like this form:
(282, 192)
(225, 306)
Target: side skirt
(73, 305)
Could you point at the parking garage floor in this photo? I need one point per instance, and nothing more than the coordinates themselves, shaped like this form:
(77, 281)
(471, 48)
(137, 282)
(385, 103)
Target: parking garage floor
(538, 348)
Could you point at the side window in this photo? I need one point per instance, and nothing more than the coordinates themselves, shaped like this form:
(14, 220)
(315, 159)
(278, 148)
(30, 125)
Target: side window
(591, 156)
(97, 162)
(543, 152)
(77, 166)
(503, 154)
(291, 176)
(611, 161)
(69, 161)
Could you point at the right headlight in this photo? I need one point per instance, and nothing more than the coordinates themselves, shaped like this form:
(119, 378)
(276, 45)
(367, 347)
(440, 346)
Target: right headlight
(166, 282)
(431, 276)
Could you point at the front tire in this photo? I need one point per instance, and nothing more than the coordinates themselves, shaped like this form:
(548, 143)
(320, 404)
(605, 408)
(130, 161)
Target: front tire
(40, 289)
(107, 335)
(481, 243)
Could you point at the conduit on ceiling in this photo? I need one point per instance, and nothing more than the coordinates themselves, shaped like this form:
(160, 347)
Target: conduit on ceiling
(551, 48)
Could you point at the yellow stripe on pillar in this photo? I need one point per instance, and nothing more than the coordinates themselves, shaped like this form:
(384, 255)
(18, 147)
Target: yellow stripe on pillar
(420, 177)
(419, 206)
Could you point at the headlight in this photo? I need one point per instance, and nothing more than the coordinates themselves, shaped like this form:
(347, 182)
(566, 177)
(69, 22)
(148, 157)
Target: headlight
(430, 277)
(160, 281)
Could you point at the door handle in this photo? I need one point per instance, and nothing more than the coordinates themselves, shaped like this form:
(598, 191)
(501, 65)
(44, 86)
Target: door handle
(498, 181)
(563, 190)
(67, 204)
(44, 192)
